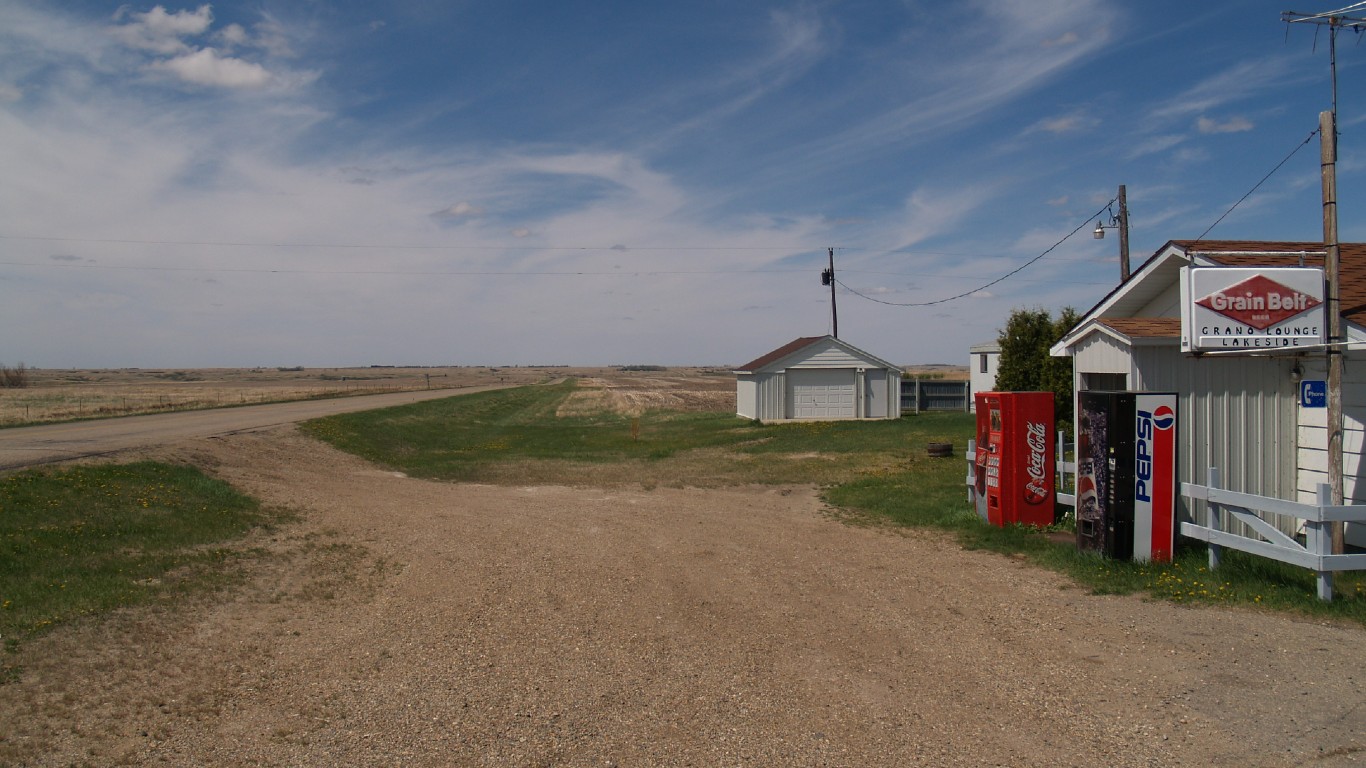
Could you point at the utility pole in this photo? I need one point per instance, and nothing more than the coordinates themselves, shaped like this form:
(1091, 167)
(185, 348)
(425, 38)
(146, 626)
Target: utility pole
(828, 278)
(1328, 153)
(1123, 236)
(1120, 222)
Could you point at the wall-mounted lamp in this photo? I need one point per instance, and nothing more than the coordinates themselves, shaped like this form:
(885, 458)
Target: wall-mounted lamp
(1296, 373)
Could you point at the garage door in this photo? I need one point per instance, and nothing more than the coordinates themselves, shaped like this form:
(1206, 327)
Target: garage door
(822, 394)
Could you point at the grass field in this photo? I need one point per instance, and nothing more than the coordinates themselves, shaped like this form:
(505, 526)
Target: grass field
(64, 395)
(86, 540)
(528, 435)
(878, 470)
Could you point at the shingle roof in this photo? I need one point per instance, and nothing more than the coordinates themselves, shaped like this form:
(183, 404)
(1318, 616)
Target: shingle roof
(1144, 327)
(780, 352)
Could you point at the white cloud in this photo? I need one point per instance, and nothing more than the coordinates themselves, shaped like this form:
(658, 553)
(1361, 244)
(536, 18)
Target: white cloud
(945, 88)
(161, 32)
(1067, 38)
(206, 67)
(1073, 123)
(233, 35)
(930, 212)
(1231, 125)
(272, 37)
(1233, 84)
(461, 210)
(10, 92)
(1155, 144)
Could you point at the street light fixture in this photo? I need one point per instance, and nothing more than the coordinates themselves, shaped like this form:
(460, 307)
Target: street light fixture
(1119, 221)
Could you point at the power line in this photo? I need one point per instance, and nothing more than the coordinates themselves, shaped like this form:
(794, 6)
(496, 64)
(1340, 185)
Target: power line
(471, 272)
(1283, 161)
(389, 246)
(486, 273)
(1015, 271)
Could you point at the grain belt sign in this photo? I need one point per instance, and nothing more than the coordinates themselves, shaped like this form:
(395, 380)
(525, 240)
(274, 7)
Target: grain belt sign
(822, 393)
(1235, 309)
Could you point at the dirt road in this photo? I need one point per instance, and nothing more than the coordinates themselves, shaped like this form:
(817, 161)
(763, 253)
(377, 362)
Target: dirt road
(412, 623)
(46, 443)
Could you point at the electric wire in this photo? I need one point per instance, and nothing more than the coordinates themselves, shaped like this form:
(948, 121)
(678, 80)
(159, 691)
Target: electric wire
(477, 273)
(387, 246)
(1283, 161)
(1002, 278)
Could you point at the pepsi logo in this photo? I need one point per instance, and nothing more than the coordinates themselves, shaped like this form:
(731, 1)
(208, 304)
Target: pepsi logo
(1164, 417)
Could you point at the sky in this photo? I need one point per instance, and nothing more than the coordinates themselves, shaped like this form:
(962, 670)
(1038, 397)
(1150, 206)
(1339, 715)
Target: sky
(516, 182)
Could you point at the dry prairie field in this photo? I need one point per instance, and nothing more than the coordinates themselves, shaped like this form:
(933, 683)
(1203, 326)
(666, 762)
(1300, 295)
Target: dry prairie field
(66, 394)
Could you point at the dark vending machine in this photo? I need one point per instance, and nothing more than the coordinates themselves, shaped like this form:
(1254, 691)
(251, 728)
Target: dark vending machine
(1126, 474)
(1015, 463)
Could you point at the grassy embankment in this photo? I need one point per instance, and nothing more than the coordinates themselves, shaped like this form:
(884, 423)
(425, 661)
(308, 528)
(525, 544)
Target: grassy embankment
(876, 469)
(87, 540)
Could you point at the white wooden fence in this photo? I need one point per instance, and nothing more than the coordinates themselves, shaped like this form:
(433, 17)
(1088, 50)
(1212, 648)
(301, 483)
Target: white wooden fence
(1316, 553)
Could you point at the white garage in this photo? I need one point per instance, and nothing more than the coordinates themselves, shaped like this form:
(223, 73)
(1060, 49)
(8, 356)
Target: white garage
(818, 378)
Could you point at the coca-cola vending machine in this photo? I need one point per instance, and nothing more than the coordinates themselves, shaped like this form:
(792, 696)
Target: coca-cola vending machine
(1126, 474)
(1015, 458)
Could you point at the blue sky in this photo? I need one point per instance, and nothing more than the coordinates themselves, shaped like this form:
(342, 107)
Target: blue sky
(328, 183)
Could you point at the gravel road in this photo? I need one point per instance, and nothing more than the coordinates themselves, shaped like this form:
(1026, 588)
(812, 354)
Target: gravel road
(47, 443)
(405, 622)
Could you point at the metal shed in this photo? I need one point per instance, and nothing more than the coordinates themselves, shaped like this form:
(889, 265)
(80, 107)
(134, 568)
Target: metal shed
(818, 378)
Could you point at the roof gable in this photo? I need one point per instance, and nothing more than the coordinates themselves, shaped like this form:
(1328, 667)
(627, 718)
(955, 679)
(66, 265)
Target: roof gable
(795, 348)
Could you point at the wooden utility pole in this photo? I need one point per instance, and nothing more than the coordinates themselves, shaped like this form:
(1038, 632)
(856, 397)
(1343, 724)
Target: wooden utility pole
(1328, 154)
(1123, 236)
(828, 278)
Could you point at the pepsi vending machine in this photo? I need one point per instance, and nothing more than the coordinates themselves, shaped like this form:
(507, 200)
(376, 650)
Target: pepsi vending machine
(1126, 474)
(1015, 458)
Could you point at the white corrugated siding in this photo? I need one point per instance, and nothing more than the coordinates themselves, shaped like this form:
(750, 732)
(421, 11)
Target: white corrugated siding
(1103, 354)
(1237, 414)
(831, 356)
(746, 396)
(771, 394)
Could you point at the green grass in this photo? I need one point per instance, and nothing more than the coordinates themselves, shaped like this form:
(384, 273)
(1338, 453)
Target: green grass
(877, 469)
(87, 540)
(515, 436)
(935, 497)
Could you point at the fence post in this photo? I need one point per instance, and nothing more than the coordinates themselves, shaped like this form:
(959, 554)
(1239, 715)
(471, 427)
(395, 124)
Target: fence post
(1319, 540)
(972, 474)
(1060, 464)
(916, 389)
(1216, 551)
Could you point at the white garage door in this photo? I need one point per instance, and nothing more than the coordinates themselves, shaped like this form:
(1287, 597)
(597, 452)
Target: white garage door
(821, 394)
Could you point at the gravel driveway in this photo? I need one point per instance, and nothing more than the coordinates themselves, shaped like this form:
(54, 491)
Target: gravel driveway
(405, 622)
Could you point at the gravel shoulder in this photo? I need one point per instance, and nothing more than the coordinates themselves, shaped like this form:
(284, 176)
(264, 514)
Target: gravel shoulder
(406, 622)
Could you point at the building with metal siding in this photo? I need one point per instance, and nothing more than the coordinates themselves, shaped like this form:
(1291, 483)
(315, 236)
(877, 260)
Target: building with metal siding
(984, 360)
(1241, 413)
(818, 378)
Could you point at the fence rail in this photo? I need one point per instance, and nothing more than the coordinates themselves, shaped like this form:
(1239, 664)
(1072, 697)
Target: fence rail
(1316, 553)
(918, 395)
